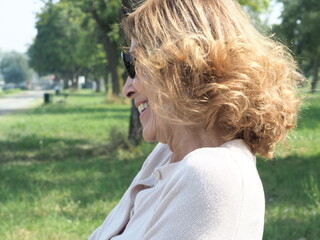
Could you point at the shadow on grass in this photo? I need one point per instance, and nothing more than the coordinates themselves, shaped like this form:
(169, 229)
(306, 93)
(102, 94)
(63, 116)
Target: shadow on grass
(48, 149)
(11, 111)
(283, 179)
(291, 212)
(61, 109)
(292, 228)
(82, 180)
(310, 115)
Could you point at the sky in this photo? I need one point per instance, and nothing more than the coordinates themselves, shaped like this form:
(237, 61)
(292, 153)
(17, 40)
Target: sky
(276, 9)
(17, 24)
(18, 18)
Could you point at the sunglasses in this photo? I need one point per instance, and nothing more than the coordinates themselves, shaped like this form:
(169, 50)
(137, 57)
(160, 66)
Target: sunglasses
(128, 61)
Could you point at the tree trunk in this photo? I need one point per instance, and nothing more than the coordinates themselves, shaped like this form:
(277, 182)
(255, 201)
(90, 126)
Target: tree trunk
(135, 128)
(98, 85)
(315, 75)
(106, 82)
(75, 81)
(65, 83)
(111, 53)
(110, 49)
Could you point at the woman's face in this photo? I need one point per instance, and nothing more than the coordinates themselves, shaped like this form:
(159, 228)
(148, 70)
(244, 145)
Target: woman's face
(153, 126)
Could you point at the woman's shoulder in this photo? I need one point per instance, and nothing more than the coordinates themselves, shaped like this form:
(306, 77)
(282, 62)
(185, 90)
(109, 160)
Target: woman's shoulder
(206, 176)
(231, 164)
(233, 153)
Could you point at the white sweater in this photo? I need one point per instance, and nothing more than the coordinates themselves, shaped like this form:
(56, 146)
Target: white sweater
(213, 193)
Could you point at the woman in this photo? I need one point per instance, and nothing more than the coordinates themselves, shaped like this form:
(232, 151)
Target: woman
(214, 93)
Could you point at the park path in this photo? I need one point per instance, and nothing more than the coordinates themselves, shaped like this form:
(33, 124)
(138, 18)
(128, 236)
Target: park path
(19, 101)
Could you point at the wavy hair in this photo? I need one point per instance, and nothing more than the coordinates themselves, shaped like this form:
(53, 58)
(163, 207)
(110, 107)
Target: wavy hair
(206, 59)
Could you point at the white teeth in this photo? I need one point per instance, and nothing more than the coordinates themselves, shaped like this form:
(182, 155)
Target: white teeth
(142, 107)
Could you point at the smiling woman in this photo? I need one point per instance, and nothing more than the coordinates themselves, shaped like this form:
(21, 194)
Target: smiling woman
(214, 93)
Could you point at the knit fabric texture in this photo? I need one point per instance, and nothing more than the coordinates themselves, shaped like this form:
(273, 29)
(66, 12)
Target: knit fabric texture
(212, 193)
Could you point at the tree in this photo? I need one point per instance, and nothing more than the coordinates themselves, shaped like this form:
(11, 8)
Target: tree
(301, 30)
(135, 127)
(14, 68)
(90, 55)
(106, 15)
(67, 44)
(53, 48)
(255, 5)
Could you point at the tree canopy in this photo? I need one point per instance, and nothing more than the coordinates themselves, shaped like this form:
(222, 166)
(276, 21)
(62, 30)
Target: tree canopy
(300, 29)
(106, 15)
(255, 5)
(15, 68)
(70, 42)
(82, 37)
(58, 34)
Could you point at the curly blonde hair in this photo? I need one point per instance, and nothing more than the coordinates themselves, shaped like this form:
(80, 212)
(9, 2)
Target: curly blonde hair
(216, 70)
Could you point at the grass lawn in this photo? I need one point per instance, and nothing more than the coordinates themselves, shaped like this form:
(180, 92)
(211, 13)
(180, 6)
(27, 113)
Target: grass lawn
(9, 92)
(292, 180)
(64, 166)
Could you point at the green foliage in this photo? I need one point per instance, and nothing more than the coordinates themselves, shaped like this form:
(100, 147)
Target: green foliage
(58, 32)
(14, 67)
(71, 39)
(300, 26)
(256, 5)
(89, 53)
(106, 15)
(300, 30)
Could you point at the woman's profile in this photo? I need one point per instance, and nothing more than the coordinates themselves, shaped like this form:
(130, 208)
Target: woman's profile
(214, 93)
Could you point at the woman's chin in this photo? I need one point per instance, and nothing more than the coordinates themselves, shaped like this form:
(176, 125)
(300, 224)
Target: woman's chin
(149, 134)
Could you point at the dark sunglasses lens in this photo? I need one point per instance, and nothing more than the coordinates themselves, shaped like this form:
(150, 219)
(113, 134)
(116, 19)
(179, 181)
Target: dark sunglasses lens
(130, 69)
(129, 64)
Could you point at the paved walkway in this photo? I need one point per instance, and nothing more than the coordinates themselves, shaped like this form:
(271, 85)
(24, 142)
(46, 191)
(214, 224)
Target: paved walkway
(19, 101)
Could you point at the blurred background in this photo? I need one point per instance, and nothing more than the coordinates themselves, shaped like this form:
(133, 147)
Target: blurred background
(70, 144)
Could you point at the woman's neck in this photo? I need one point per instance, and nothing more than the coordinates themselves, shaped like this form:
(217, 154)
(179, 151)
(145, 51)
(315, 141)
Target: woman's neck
(185, 140)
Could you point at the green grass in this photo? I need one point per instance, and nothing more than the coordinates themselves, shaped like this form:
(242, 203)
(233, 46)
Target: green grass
(292, 180)
(64, 166)
(10, 91)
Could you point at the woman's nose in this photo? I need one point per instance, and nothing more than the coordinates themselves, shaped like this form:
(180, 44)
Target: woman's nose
(128, 90)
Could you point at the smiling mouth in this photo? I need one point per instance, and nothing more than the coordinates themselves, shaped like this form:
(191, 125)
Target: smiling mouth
(142, 107)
